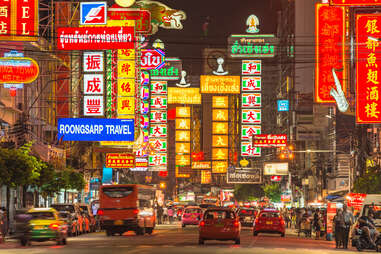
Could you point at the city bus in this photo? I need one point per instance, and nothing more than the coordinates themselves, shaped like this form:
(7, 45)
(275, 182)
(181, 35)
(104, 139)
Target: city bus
(127, 207)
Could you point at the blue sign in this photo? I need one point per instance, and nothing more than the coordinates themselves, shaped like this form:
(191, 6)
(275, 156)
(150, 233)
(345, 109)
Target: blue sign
(95, 129)
(283, 105)
(107, 176)
(93, 13)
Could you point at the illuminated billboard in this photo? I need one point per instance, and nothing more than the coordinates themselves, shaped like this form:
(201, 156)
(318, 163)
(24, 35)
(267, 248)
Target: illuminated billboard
(220, 84)
(177, 95)
(355, 2)
(19, 20)
(275, 168)
(270, 140)
(368, 75)
(329, 51)
(120, 160)
(18, 70)
(252, 46)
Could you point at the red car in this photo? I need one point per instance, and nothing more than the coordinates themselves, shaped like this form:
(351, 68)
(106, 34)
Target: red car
(220, 224)
(269, 221)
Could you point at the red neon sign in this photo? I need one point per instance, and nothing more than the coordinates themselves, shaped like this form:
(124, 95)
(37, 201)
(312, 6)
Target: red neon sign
(98, 38)
(142, 18)
(355, 2)
(270, 140)
(368, 74)
(330, 46)
(152, 59)
(15, 70)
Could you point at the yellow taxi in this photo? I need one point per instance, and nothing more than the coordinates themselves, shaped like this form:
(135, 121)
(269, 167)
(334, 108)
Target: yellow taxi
(45, 225)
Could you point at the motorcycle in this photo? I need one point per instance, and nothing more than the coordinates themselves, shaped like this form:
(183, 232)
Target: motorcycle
(361, 242)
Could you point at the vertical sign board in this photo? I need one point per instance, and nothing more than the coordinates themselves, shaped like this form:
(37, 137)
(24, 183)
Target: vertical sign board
(330, 47)
(19, 20)
(368, 75)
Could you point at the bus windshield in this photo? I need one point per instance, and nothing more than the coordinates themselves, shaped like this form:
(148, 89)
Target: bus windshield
(118, 192)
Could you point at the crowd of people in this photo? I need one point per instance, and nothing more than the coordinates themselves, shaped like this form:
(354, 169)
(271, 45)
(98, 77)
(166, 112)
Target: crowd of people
(167, 215)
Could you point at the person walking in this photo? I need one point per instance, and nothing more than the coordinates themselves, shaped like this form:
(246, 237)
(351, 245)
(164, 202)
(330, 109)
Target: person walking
(170, 214)
(165, 214)
(159, 214)
(317, 223)
(338, 220)
(349, 220)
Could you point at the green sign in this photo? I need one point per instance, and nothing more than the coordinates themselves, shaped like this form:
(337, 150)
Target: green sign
(170, 71)
(252, 46)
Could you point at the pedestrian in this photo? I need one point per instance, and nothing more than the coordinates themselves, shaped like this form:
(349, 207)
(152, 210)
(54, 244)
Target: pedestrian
(349, 221)
(165, 214)
(338, 220)
(317, 223)
(170, 214)
(159, 214)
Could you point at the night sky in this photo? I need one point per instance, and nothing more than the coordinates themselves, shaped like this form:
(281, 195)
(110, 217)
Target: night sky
(227, 17)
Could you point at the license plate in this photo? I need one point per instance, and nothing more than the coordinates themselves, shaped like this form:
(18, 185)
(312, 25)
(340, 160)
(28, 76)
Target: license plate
(118, 222)
(219, 225)
(269, 222)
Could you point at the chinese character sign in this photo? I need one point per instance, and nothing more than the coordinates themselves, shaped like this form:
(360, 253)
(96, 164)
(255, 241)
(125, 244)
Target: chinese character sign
(93, 106)
(247, 149)
(330, 43)
(251, 67)
(249, 130)
(93, 61)
(251, 100)
(251, 84)
(251, 116)
(5, 17)
(93, 83)
(368, 49)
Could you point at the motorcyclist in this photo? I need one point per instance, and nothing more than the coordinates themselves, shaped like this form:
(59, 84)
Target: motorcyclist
(367, 225)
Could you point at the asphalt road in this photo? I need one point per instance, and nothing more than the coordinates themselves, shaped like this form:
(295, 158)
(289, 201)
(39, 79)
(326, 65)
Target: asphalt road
(168, 239)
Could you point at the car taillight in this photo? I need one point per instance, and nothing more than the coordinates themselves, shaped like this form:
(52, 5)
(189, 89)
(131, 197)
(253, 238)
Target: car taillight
(136, 211)
(236, 224)
(256, 220)
(54, 226)
(100, 212)
(202, 223)
(281, 221)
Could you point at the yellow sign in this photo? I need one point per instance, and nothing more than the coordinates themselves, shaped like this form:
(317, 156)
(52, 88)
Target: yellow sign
(183, 112)
(183, 124)
(220, 154)
(220, 140)
(201, 165)
(181, 175)
(220, 84)
(178, 95)
(220, 128)
(183, 136)
(219, 167)
(126, 87)
(182, 148)
(183, 160)
(220, 115)
(206, 177)
(126, 105)
(220, 102)
(126, 54)
(126, 69)
(117, 143)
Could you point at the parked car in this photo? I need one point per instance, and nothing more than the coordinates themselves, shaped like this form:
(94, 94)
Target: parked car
(74, 211)
(45, 225)
(269, 221)
(220, 224)
(71, 222)
(191, 216)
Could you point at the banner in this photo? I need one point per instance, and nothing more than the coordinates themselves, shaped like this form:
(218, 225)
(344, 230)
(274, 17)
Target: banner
(368, 74)
(270, 140)
(120, 160)
(330, 47)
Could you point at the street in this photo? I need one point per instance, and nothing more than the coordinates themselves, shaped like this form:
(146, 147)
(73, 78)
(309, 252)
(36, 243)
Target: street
(174, 239)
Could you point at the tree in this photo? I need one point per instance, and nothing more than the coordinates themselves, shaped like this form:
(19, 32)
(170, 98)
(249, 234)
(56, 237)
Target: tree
(273, 191)
(247, 192)
(370, 182)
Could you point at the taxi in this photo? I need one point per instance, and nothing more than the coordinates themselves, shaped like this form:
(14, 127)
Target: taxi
(191, 216)
(269, 221)
(220, 224)
(45, 225)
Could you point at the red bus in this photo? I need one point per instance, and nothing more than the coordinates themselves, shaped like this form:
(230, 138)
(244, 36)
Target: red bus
(127, 207)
